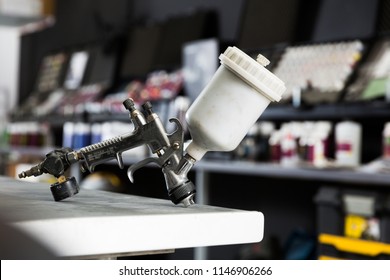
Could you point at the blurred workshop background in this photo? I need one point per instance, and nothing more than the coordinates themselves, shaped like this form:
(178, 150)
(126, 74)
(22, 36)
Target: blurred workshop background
(316, 163)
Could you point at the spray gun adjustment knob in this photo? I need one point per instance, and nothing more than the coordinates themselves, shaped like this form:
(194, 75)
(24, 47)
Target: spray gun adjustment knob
(262, 60)
(129, 104)
(147, 106)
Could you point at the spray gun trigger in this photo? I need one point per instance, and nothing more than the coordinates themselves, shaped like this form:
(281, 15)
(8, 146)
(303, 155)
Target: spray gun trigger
(134, 167)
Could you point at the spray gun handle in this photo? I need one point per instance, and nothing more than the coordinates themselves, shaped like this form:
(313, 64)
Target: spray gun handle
(174, 166)
(170, 154)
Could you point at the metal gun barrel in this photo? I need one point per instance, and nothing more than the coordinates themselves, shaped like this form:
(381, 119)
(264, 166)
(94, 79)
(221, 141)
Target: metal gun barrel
(33, 171)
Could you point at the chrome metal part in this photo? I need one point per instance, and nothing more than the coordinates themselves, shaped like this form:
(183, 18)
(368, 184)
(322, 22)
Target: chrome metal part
(148, 130)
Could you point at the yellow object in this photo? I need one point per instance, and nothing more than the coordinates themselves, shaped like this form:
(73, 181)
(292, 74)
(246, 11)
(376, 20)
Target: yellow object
(48, 7)
(61, 179)
(346, 244)
(110, 177)
(354, 226)
(328, 258)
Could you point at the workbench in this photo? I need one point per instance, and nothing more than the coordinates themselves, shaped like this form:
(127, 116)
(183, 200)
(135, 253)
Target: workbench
(99, 224)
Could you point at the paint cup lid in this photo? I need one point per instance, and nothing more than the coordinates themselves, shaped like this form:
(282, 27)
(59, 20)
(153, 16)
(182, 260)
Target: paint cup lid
(253, 72)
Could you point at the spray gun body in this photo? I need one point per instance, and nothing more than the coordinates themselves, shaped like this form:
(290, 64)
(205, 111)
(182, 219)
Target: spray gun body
(218, 120)
(148, 130)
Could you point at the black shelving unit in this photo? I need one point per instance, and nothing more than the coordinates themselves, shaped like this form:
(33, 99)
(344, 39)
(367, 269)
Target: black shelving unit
(325, 175)
(352, 110)
(277, 112)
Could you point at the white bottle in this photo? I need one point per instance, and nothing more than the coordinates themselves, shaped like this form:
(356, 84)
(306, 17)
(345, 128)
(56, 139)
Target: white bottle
(68, 134)
(386, 141)
(231, 103)
(348, 136)
(288, 145)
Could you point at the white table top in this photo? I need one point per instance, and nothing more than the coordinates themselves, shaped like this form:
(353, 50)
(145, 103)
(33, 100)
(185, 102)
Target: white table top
(104, 223)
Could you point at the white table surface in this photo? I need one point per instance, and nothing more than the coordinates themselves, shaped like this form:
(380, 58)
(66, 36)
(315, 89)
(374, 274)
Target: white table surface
(95, 223)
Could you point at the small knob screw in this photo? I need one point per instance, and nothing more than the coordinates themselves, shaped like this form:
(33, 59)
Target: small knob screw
(147, 106)
(262, 60)
(129, 104)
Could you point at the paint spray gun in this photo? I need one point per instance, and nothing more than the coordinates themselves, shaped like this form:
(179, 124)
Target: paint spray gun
(218, 120)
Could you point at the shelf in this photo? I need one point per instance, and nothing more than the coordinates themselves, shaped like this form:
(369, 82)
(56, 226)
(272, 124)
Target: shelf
(30, 151)
(358, 111)
(26, 24)
(59, 120)
(52, 119)
(361, 110)
(107, 117)
(278, 171)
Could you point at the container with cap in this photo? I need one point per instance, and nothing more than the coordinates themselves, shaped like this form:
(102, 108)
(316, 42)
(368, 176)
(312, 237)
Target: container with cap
(386, 141)
(348, 135)
(231, 103)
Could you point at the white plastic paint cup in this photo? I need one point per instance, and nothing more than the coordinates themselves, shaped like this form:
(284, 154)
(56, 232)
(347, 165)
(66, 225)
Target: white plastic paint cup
(231, 103)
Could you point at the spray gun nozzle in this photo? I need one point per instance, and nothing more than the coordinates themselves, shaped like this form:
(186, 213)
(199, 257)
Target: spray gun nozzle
(33, 171)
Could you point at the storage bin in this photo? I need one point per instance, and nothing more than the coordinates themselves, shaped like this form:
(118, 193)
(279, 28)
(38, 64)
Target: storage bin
(353, 223)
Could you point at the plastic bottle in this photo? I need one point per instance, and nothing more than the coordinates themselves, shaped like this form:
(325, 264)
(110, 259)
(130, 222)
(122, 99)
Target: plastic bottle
(68, 134)
(348, 136)
(316, 149)
(288, 145)
(265, 131)
(33, 134)
(231, 103)
(82, 135)
(96, 133)
(318, 141)
(386, 141)
(274, 146)
(324, 130)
